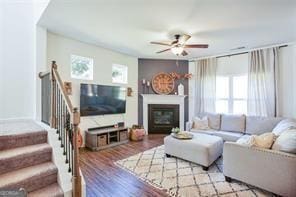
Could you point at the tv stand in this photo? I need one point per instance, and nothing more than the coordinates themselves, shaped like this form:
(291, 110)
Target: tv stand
(104, 137)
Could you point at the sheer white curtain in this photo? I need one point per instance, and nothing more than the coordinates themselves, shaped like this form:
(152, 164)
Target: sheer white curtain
(205, 93)
(263, 82)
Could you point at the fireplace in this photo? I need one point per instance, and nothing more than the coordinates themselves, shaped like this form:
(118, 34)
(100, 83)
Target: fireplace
(162, 118)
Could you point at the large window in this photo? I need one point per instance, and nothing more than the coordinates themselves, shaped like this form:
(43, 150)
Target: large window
(231, 94)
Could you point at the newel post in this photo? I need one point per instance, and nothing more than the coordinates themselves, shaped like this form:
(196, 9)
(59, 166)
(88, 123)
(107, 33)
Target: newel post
(76, 174)
(53, 95)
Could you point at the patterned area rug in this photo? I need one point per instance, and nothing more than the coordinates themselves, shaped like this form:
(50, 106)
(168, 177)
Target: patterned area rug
(183, 178)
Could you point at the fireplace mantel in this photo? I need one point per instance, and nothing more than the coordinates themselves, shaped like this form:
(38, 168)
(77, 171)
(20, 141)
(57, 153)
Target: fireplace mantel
(163, 99)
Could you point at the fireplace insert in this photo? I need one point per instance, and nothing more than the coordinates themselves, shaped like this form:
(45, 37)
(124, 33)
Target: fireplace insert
(162, 118)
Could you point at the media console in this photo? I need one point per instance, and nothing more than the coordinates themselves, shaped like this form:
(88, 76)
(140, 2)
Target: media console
(104, 137)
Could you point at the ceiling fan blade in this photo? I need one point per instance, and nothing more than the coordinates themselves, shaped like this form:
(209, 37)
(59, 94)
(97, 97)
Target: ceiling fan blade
(164, 50)
(196, 46)
(184, 53)
(184, 39)
(161, 43)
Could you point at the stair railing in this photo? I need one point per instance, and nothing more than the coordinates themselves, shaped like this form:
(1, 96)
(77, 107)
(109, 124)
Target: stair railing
(65, 119)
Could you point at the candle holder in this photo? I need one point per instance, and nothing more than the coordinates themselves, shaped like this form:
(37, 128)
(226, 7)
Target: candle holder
(148, 86)
(143, 85)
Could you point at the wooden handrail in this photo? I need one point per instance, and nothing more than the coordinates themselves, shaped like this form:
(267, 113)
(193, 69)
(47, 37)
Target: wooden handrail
(68, 134)
(43, 74)
(61, 86)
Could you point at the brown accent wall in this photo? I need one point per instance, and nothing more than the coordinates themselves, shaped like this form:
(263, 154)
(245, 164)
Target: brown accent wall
(150, 67)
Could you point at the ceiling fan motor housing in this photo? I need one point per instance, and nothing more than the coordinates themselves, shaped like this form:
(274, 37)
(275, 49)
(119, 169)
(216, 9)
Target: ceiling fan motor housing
(177, 36)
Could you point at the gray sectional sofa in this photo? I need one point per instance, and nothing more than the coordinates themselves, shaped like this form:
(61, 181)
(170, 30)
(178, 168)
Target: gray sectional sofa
(272, 170)
(233, 127)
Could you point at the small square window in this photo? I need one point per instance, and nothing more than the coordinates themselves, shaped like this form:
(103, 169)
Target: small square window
(119, 74)
(81, 67)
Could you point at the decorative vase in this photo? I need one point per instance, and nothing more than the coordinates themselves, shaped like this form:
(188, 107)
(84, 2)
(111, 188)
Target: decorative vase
(181, 89)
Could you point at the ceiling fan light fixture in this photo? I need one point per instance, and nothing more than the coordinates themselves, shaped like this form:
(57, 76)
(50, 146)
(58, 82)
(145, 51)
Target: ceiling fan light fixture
(177, 50)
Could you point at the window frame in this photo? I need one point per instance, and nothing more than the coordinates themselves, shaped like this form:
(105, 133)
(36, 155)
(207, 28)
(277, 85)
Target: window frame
(121, 66)
(230, 99)
(90, 67)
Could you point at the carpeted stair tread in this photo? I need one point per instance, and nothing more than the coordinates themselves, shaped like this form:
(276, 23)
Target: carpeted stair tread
(53, 190)
(46, 173)
(15, 127)
(16, 158)
(10, 141)
(18, 133)
(23, 150)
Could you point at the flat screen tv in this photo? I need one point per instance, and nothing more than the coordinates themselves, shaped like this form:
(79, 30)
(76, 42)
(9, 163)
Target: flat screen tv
(101, 100)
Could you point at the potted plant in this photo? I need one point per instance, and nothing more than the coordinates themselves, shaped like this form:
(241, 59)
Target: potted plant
(176, 130)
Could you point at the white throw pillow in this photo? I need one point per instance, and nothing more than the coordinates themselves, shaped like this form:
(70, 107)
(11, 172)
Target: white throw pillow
(286, 142)
(201, 123)
(284, 125)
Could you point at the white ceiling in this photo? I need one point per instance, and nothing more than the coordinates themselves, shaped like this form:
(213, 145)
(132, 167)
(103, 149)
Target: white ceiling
(128, 26)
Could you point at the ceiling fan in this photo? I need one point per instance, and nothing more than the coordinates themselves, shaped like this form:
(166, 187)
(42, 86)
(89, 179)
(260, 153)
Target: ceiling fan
(179, 44)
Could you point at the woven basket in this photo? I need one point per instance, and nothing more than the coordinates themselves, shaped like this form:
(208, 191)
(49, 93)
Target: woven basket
(137, 134)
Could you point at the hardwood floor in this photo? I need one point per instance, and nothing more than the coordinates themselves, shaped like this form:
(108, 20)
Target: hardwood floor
(103, 178)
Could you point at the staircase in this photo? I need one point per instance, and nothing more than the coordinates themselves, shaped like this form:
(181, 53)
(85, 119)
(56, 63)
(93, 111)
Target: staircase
(26, 159)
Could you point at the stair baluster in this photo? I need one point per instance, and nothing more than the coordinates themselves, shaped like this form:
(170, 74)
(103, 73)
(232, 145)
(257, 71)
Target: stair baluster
(65, 119)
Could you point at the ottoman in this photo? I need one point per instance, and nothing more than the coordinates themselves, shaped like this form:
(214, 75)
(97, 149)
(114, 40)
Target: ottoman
(202, 149)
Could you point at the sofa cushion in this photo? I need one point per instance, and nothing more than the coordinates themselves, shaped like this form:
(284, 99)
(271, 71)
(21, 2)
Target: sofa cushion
(284, 125)
(201, 123)
(213, 118)
(209, 131)
(256, 125)
(244, 140)
(228, 135)
(234, 123)
(286, 142)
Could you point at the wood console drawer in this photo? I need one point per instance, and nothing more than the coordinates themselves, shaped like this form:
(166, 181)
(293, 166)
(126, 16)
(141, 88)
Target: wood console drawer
(123, 135)
(102, 140)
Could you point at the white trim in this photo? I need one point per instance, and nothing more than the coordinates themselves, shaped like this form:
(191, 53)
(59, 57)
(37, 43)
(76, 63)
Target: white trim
(241, 51)
(163, 99)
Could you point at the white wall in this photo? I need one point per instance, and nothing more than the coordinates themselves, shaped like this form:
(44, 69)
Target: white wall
(287, 82)
(1, 63)
(60, 48)
(232, 65)
(17, 79)
(41, 65)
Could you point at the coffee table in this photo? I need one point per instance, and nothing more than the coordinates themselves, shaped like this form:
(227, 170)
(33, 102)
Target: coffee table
(202, 149)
